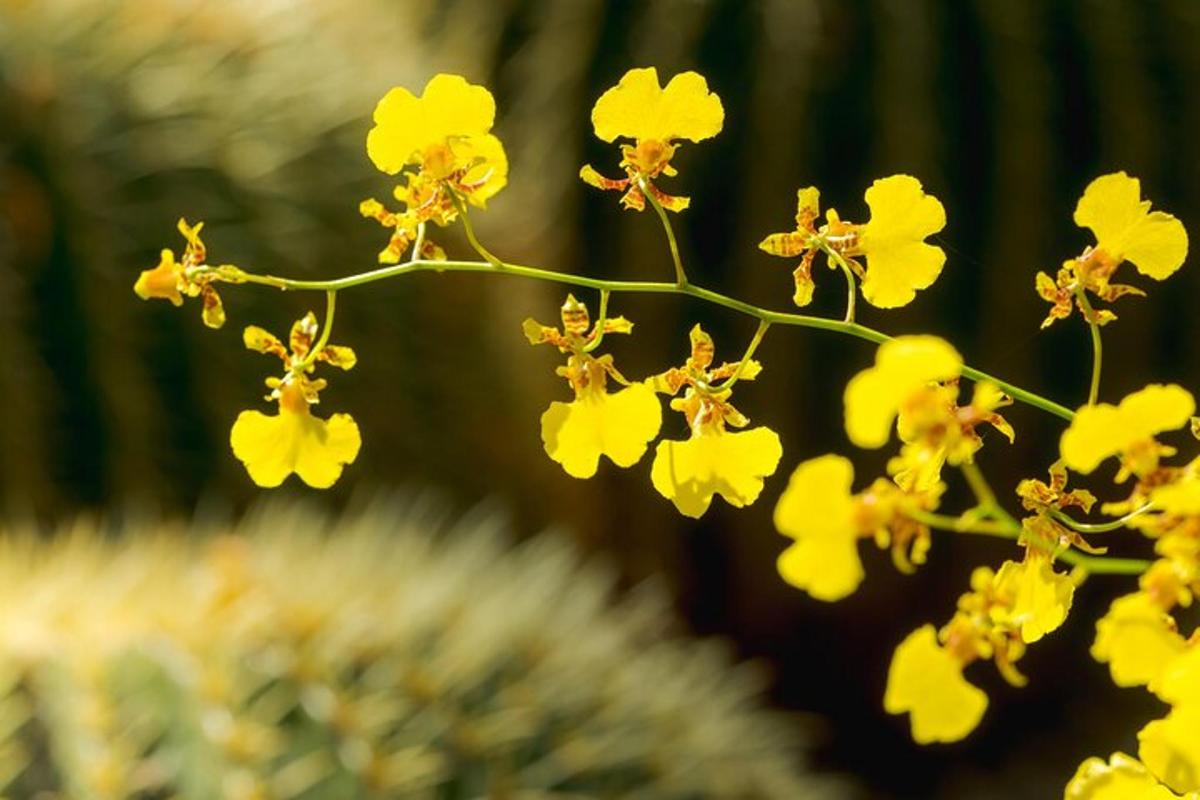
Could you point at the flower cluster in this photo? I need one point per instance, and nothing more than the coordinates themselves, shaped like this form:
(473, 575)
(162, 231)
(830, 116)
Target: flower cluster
(442, 146)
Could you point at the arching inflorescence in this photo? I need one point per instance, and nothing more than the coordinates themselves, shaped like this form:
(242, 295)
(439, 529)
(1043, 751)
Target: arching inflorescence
(447, 160)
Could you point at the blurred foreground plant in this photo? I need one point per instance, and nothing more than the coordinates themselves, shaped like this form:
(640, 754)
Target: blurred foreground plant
(384, 653)
(441, 146)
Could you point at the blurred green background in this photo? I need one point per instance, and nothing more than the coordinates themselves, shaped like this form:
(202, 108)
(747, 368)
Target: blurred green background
(118, 117)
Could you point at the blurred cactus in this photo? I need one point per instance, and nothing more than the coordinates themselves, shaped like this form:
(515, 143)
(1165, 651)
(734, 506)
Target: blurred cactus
(380, 654)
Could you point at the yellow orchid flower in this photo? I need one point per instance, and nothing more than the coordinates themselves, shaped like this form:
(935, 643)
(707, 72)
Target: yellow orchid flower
(904, 367)
(172, 280)
(1137, 639)
(1126, 430)
(827, 522)
(272, 447)
(654, 118)
(898, 259)
(1126, 229)
(619, 425)
(446, 132)
(1120, 778)
(445, 136)
(713, 460)
(926, 681)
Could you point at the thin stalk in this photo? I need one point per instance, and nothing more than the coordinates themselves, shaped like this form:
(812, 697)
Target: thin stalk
(1097, 346)
(680, 276)
(749, 354)
(1098, 527)
(461, 207)
(604, 294)
(326, 330)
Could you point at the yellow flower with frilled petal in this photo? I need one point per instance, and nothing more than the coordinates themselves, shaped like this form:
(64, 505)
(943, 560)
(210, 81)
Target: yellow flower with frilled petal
(1041, 597)
(1170, 747)
(272, 447)
(442, 142)
(1103, 430)
(1127, 230)
(1120, 778)
(1137, 639)
(445, 132)
(653, 117)
(903, 366)
(818, 511)
(713, 460)
(926, 680)
(618, 425)
(899, 261)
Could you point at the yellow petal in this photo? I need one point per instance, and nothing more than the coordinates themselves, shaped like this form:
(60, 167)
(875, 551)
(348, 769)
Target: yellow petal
(903, 366)
(1121, 778)
(817, 510)
(1041, 597)
(1170, 748)
(898, 260)
(731, 464)
(1137, 640)
(618, 425)
(490, 170)
(1125, 228)
(1104, 430)
(273, 447)
(405, 126)
(637, 108)
(927, 682)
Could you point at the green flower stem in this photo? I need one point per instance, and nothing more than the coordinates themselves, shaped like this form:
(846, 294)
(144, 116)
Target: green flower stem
(680, 276)
(326, 329)
(1097, 346)
(851, 285)
(463, 214)
(1011, 529)
(644, 287)
(983, 491)
(749, 354)
(604, 294)
(1098, 527)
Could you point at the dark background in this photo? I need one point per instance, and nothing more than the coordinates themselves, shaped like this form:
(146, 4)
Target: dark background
(118, 117)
